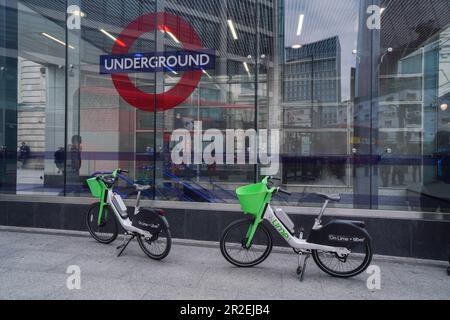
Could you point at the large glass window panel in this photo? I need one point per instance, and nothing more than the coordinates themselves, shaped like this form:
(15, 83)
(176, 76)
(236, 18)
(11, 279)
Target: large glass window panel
(223, 99)
(104, 131)
(413, 140)
(33, 97)
(318, 92)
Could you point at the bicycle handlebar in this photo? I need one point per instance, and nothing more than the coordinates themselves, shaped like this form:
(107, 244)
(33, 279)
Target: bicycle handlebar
(97, 173)
(119, 171)
(268, 180)
(284, 192)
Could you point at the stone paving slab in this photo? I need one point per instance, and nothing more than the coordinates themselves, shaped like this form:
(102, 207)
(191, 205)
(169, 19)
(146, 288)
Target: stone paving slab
(33, 266)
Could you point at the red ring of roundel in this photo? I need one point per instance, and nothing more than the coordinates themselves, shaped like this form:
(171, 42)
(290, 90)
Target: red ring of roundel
(188, 82)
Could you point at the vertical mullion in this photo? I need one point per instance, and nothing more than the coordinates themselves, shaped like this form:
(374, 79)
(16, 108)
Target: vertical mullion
(66, 90)
(154, 113)
(256, 178)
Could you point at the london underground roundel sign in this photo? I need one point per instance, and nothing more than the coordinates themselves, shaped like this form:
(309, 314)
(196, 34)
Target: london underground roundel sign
(192, 60)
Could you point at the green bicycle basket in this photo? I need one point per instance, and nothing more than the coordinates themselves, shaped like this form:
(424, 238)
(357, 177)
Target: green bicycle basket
(95, 187)
(252, 197)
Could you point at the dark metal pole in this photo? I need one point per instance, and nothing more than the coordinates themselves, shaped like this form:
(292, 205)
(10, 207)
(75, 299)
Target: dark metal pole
(312, 90)
(154, 116)
(256, 88)
(66, 100)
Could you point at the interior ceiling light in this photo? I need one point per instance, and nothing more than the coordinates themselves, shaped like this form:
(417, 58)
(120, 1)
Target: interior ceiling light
(109, 35)
(247, 68)
(232, 29)
(169, 32)
(79, 13)
(301, 18)
(56, 40)
(206, 73)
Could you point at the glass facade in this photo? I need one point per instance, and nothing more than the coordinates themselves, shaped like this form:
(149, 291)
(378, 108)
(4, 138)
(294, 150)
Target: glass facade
(358, 89)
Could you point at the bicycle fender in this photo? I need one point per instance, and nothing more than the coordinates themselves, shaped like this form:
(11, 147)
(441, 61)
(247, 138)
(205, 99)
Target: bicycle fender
(149, 220)
(340, 233)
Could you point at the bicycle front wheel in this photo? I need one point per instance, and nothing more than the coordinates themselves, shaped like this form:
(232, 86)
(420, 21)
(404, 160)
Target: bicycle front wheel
(105, 232)
(232, 244)
(346, 266)
(158, 246)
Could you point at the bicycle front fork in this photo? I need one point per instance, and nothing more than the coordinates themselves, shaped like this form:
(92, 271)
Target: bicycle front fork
(103, 207)
(251, 233)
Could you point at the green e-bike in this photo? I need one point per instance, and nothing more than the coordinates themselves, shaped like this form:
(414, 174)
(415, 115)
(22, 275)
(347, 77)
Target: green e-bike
(340, 248)
(148, 225)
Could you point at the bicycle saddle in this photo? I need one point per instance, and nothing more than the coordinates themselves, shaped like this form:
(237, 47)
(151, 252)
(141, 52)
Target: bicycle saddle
(331, 197)
(140, 187)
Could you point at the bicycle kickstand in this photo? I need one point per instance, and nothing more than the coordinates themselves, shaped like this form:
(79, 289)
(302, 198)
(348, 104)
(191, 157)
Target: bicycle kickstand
(125, 244)
(302, 258)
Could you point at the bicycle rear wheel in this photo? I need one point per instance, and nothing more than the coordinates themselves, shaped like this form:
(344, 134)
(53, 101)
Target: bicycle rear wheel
(347, 266)
(232, 244)
(158, 246)
(105, 232)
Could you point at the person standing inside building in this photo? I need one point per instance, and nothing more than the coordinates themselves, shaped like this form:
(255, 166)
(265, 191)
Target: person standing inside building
(73, 166)
(386, 166)
(24, 153)
(60, 156)
(75, 154)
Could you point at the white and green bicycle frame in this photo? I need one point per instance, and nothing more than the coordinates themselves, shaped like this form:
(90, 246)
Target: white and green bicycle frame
(294, 242)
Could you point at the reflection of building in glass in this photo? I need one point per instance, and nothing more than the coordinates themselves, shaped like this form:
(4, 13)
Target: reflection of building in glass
(412, 82)
(315, 118)
(312, 76)
(312, 72)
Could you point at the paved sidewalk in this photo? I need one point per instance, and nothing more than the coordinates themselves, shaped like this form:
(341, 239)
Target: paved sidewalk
(33, 266)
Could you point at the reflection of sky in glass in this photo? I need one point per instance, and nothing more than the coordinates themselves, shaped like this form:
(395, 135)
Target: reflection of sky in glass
(324, 19)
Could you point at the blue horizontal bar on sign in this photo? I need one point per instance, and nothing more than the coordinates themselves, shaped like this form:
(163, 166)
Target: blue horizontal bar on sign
(201, 59)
